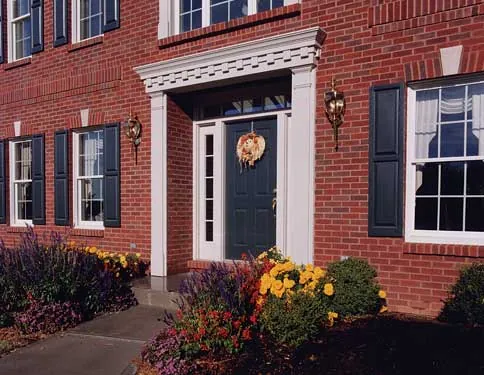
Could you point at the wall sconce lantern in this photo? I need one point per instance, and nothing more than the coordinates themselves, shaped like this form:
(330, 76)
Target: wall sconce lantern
(132, 129)
(335, 106)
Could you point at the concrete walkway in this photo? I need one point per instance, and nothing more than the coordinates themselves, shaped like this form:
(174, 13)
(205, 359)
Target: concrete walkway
(104, 346)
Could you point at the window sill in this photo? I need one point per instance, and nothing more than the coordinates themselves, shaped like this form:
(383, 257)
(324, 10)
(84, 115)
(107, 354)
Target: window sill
(85, 43)
(87, 232)
(445, 244)
(18, 63)
(235, 24)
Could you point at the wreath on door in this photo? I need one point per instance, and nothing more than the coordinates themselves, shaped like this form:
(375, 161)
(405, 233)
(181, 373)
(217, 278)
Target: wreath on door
(250, 148)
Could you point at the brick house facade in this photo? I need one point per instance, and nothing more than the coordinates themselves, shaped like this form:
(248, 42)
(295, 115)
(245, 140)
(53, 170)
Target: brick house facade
(172, 72)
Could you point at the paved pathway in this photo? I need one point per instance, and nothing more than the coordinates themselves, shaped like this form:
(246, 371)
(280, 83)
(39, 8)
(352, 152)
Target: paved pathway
(104, 346)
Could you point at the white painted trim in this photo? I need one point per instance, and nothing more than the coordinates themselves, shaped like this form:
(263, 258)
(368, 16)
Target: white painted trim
(76, 23)
(450, 59)
(283, 51)
(10, 33)
(216, 250)
(17, 128)
(159, 225)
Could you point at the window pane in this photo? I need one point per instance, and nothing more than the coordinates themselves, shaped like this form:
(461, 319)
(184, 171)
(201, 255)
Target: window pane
(209, 188)
(211, 111)
(91, 154)
(219, 13)
(84, 33)
(426, 213)
(209, 144)
(95, 7)
(209, 210)
(84, 8)
(185, 22)
(196, 4)
(452, 107)
(23, 161)
(475, 178)
(451, 213)
(427, 179)
(233, 108)
(426, 124)
(474, 210)
(196, 20)
(274, 102)
(263, 5)
(452, 178)
(209, 231)
(253, 105)
(209, 166)
(452, 140)
(185, 6)
(95, 26)
(238, 8)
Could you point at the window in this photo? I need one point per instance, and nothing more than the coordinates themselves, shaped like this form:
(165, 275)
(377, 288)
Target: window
(20, 29)
(89, 178)
(209, 187)
(21, 182)
(194, 14)
(445, 177)
(90, 18)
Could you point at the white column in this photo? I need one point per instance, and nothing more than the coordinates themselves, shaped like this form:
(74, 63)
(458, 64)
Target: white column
(158, 184)
(300, 166)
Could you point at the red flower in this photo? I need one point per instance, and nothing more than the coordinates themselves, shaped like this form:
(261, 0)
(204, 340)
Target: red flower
(204, 347)
(246, 334)
(243, 256)
(235, 342)
(236, 324)
(197, 337)
(227, 315)
(183, 332)
(223, 332)
(202, 331)
(253, 319)
(172, 331)
(179, 314)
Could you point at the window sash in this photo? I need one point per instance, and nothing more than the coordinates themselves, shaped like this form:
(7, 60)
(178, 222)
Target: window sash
(14, 23)
(19, 158)
(76, 26)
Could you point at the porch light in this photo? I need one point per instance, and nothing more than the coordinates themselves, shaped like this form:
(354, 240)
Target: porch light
(335, 106)
(132, 129)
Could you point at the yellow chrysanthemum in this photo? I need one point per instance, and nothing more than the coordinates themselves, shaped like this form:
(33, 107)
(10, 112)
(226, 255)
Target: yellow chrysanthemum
(289, 266)
(278, 284)
(382, 294)
(263, 290)
(138, 255)
(332, 315)
(309, 267)
(122, 258)
(274, 271)
(288, 283)
(124, 264)
(312, 285)
(262, 255)
(278, 292)
(328, 289)
(319, 273)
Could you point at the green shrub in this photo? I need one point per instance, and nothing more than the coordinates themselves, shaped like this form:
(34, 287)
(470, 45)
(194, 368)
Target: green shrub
(465, 303)
(356, 290)
(295, 319)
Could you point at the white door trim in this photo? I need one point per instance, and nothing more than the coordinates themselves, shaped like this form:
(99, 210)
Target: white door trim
(215, 250)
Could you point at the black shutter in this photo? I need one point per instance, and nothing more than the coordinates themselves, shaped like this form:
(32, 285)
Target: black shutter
(37, 26)
(111, 15)
(38, 180)
(386, 161)
(61, 177)
(3, 183)
(112, 194)
(1, 33)
(60, 22)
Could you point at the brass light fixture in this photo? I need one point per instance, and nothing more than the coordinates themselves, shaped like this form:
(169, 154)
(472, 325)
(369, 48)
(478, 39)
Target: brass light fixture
(335, 106)
(132, 129)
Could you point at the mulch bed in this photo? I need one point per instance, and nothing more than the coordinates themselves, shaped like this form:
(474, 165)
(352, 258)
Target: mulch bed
(11, 339)
(390, 344)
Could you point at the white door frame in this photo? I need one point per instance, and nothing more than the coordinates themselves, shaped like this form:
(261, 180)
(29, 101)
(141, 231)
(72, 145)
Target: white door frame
(215, 250)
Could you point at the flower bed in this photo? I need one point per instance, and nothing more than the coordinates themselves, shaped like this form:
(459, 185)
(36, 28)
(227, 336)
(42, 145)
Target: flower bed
(230, 312)
(47, 288)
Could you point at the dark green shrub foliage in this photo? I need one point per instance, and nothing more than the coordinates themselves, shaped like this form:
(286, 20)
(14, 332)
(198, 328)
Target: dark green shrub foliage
(356, 290)
(465, 303)
(293, 321)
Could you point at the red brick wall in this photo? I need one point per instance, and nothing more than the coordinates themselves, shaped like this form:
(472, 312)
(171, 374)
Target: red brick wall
(368, 42)
(180, 182)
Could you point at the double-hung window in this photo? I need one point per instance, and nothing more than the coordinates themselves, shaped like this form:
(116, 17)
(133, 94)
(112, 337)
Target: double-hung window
(21, 182)
(88, 178)
(445, 173)
(19, 29)
(193, 14)
(87, 19)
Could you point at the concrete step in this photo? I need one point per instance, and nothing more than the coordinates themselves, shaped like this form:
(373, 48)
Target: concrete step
(159, 291)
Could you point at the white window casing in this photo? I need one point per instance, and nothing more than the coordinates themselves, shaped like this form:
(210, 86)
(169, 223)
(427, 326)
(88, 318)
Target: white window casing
(429, 145)
(76, 22)
(21, 178)
(12, 24)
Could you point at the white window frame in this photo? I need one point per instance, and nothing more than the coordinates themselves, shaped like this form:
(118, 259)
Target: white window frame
(76, 22)
(14, 220)
(431, 236)
(170, 15)
(11, 33)
(78, 223)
